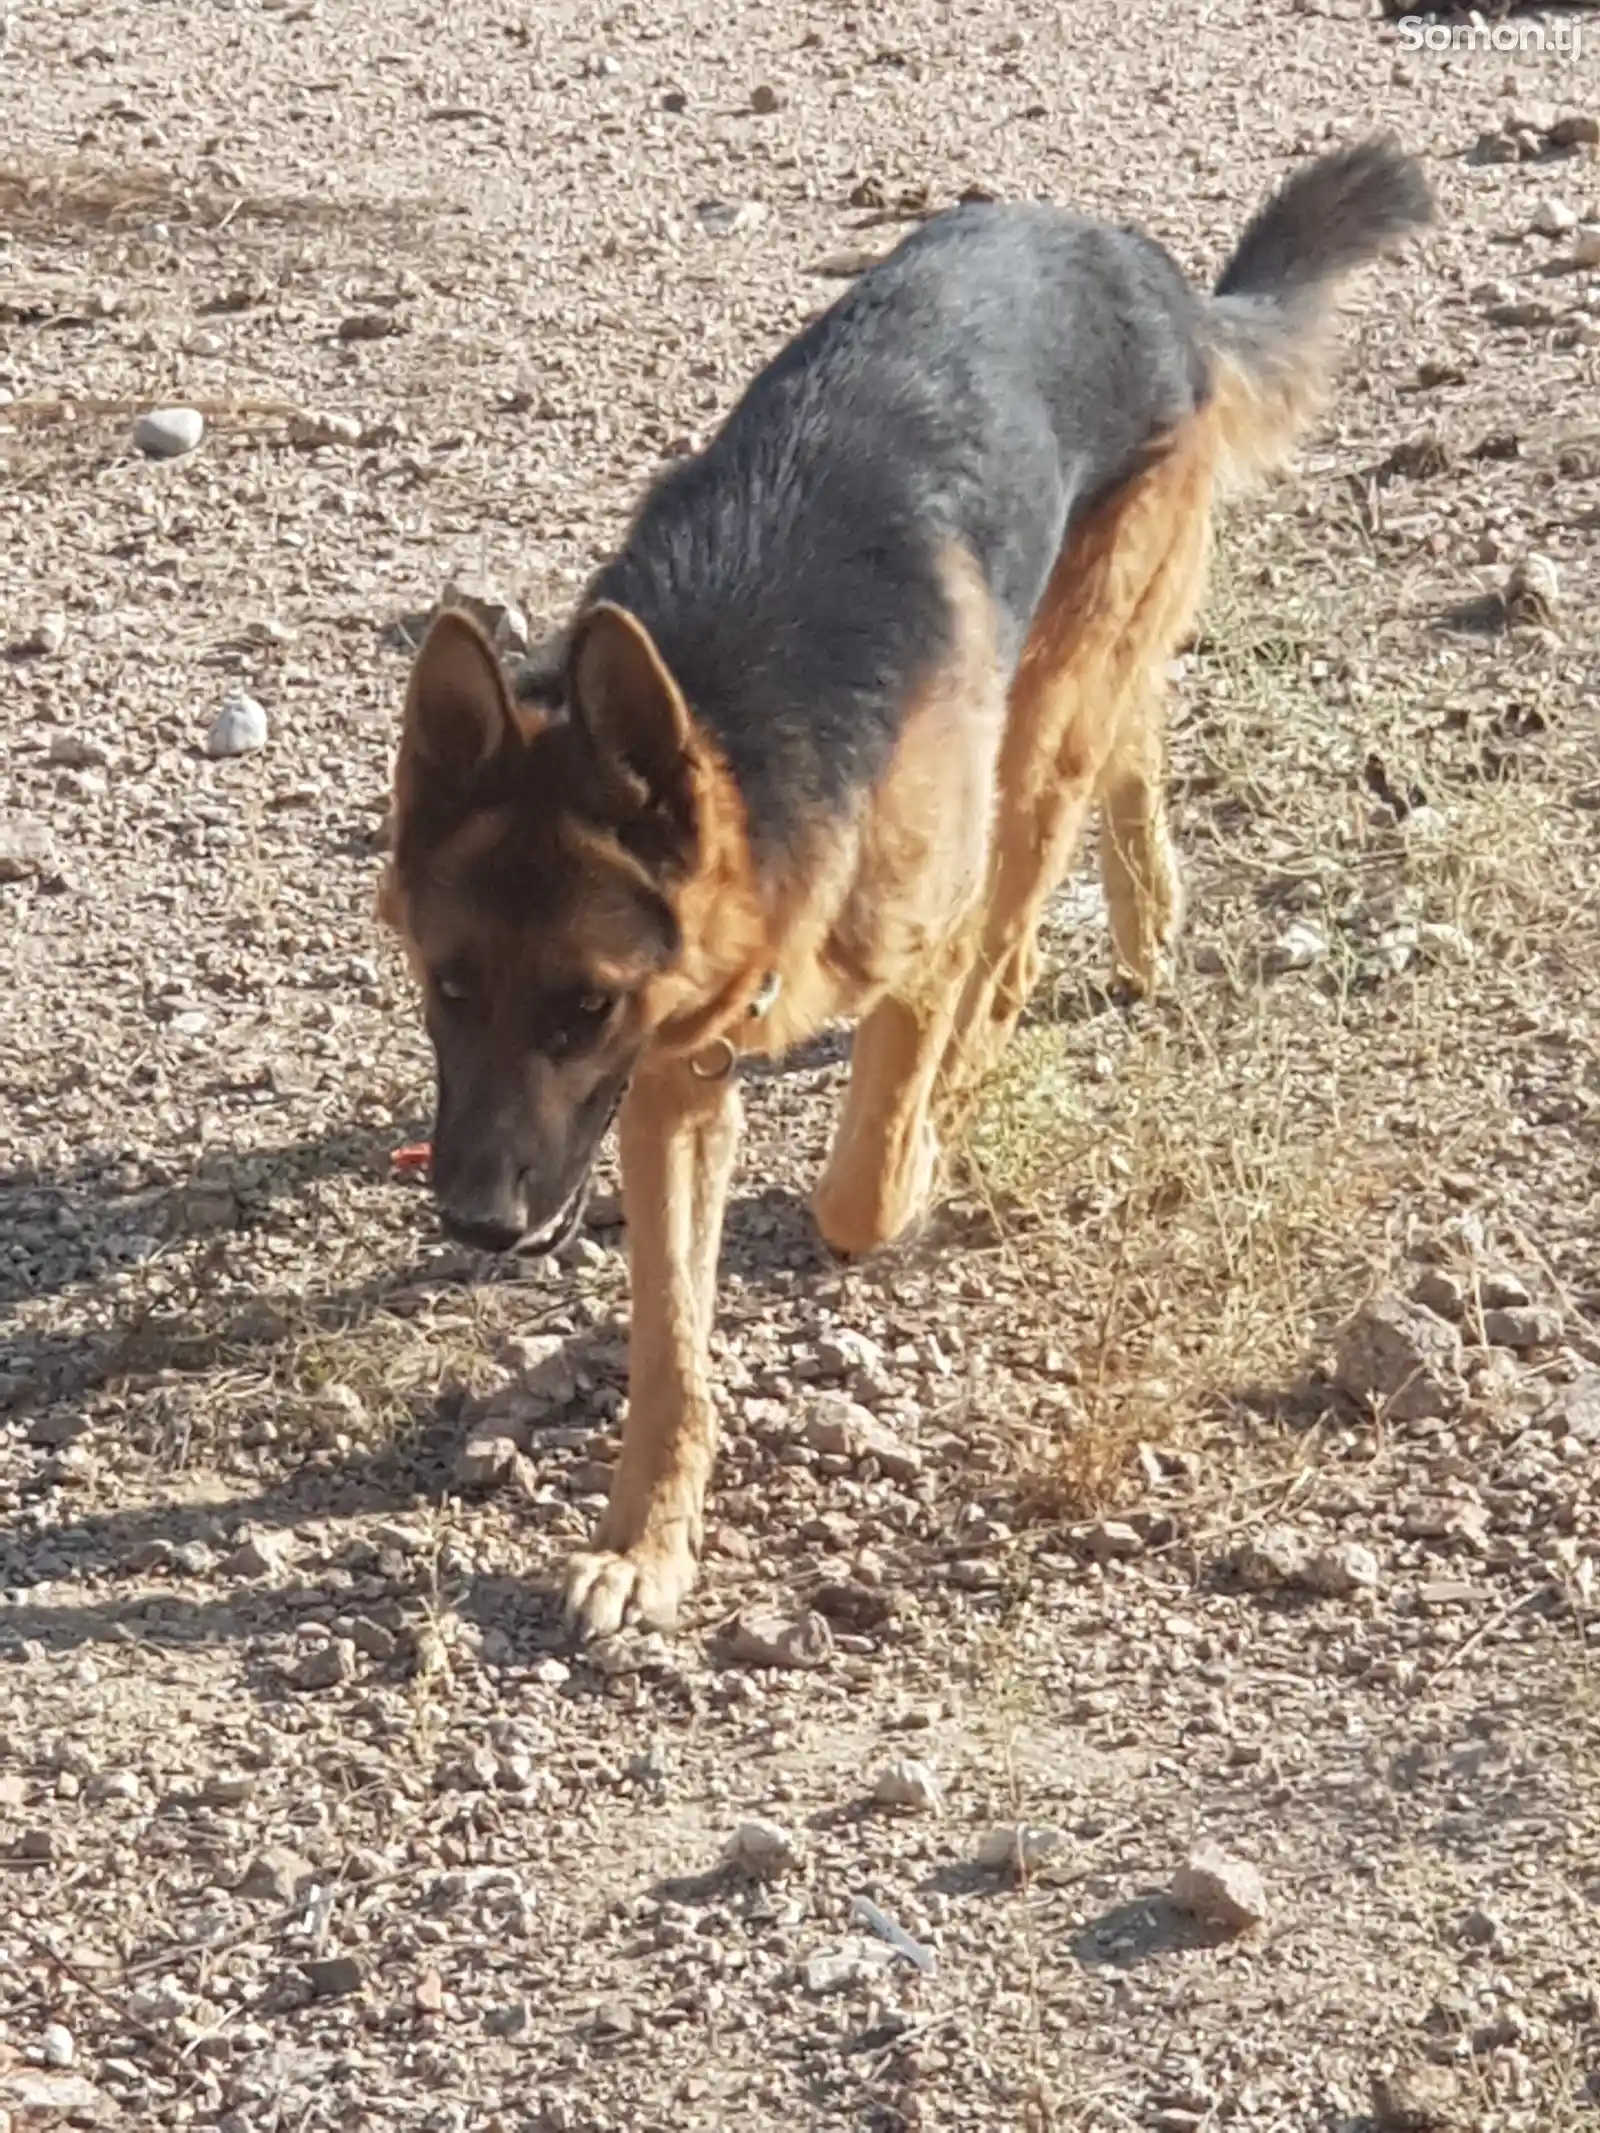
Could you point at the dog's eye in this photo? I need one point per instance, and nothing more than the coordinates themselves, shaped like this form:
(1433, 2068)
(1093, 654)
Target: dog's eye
(577, 1020)
(451, 986)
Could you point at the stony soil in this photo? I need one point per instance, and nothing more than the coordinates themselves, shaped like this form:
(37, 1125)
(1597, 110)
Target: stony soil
(1222, 1473)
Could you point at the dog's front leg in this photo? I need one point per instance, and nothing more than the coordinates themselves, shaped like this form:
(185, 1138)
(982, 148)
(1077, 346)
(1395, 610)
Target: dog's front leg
(679, 1135)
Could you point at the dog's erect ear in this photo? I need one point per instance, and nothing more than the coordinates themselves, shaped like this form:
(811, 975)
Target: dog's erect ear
(458, 708)
(630, 711)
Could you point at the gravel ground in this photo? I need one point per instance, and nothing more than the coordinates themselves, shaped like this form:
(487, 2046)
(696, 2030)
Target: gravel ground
(1223, 1475)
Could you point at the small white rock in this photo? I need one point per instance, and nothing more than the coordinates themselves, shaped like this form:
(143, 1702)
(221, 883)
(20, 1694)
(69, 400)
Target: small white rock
(1220, 1889)
(906, 1782)
(1533, 589)
(1270, 1560)
(169, 432)
(485, 1459)
(50, 633)
(721, 218)
(240, 728)
(114, 1785)
(858, 1962)
(1554, 219)
(1020, 1845)
(763, 1847)
(312, 429)
(57, 2045)
(1298, 947)
(1340, 1570)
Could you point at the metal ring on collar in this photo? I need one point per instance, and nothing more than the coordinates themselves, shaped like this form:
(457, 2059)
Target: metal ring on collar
(725, 1059)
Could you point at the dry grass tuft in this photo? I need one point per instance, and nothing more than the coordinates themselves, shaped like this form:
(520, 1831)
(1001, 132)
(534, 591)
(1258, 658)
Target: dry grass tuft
(1200, 1242)
(50, 196)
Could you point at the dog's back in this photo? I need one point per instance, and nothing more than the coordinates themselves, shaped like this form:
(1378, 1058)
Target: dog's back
(984, 387)
(1002, 368)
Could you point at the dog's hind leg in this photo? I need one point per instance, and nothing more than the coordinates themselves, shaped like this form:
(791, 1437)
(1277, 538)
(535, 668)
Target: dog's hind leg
(1138, 866)
(1082, 725)
(679, 1135)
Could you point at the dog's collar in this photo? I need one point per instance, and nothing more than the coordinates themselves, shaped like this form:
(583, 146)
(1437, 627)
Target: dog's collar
(721, 1055)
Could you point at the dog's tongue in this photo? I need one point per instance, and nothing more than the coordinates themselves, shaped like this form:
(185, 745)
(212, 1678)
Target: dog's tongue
(414, 1158)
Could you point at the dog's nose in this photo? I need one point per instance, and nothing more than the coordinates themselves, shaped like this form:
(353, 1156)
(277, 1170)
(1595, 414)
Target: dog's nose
(483, 1234)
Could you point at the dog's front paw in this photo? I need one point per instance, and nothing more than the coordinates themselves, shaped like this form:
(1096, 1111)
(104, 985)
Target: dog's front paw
(643, 1586)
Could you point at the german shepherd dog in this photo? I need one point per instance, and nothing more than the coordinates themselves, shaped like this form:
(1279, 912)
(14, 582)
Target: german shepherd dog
(822, 742)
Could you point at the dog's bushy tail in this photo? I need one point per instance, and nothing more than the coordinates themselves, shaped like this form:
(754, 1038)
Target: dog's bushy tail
(1271, 312)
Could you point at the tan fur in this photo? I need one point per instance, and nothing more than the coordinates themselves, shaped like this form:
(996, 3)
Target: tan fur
(1085, 724)
(918, 915)
(1257, 413)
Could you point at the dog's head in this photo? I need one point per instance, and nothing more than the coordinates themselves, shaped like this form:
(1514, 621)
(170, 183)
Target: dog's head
(544, 863)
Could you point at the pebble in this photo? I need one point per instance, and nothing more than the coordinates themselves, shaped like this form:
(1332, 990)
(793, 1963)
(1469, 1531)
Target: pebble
(1575, 1411)
(25, 849)
(310, 431)
(1298, 947)
(858, 1962)
(1416, 2099)
(373, 1639)
(845, 264)
(230, 1788)
(846, 1429)
(1532, 589)
(544, 1365)
(1523, 1326)
(258, 1555)
(50, 2091)
(1440, 1292)
(57, 2045)
(335, 1977)
(629, 1652)
(486, 1458)
(1224, 1891)
(764, 100)
(1500, 1290)
(1554, 219)
(1020, 1846)
(1398, 1353)
(841, 1354)
(49, 633)
(1113, 1540)
(239, 728)
(276, 1875)
(763, 1639)
(763, 1848)
(370, 326)
(114, 1785)
(169, 432)
(722, 218)
(164, 2001)
(1586, 252)
(508, 2021)
(906, 1782)
(1272, 1558)
(326, 1666)
(1341, 1570)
